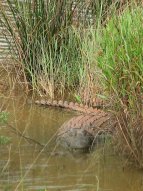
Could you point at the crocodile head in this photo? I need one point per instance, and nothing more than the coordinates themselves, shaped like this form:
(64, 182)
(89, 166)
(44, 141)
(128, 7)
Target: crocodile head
(76, 139)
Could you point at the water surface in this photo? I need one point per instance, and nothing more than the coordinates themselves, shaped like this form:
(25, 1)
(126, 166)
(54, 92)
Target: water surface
(24, 166)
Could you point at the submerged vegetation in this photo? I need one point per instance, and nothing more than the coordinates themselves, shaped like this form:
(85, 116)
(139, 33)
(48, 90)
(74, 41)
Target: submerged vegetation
(94, 58)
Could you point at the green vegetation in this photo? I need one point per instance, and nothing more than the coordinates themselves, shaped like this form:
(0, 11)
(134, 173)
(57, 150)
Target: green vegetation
(3, 119)
(39, 32)
(121, 59)
(52, 51)
(121, 64)
(99, 59)
(4, 140)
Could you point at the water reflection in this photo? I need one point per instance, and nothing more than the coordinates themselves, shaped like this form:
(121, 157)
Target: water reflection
(24, 167)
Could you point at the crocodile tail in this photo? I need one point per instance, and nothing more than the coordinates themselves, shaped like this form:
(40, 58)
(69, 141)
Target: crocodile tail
(68, 105)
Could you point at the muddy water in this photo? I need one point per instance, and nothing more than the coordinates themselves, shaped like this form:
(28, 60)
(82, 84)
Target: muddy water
(24, 166)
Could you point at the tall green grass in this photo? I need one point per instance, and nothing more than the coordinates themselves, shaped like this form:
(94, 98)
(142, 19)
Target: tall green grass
(34, 25)
(47, 43)
(121, 62)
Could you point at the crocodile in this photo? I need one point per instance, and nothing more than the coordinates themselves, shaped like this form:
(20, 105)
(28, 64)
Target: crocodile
(85, 130)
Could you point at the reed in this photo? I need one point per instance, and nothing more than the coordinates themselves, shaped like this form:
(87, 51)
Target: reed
(48, 45)
(121, 64)
(34, 24)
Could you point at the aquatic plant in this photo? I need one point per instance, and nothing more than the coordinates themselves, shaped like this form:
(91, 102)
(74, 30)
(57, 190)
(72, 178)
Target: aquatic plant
(47, 44)
(4, 140)
(33, 25)
(3, 120)
(122, 68)
(3, 117)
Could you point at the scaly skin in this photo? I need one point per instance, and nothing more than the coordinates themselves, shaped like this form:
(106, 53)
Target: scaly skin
(82, 131)
(72, 106)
